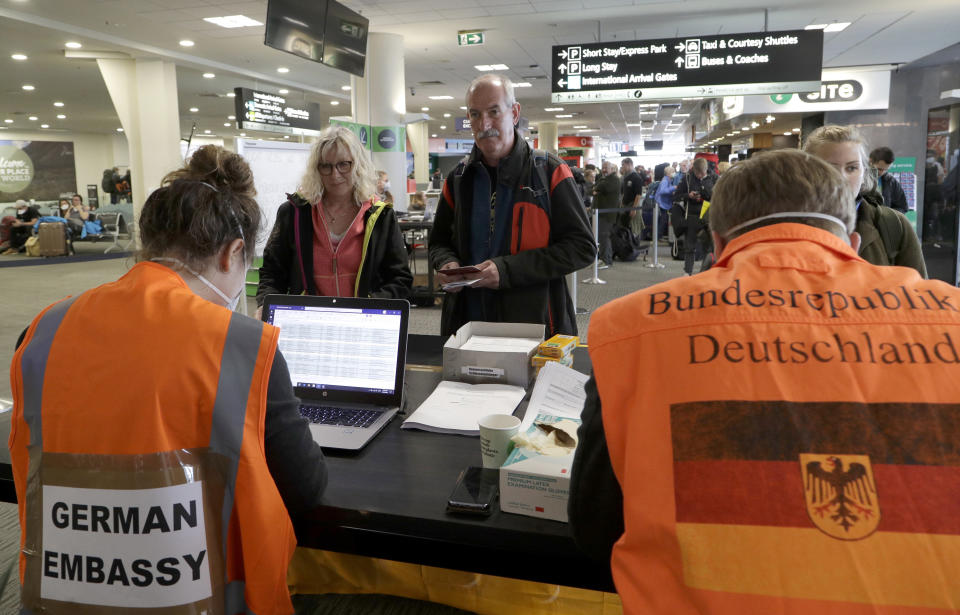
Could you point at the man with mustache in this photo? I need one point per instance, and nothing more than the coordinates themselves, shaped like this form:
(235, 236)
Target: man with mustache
(516, 214)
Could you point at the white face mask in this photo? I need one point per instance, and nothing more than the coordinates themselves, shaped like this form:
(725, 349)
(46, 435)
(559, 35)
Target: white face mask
(386, 185)
(22, 211)
(789, 214)
(64, 207)
(230, 304)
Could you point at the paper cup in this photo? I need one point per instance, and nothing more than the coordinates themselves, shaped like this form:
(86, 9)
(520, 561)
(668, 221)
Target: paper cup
(495, 433)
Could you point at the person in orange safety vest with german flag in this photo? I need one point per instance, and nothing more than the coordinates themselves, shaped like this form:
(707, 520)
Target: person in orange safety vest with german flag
(167, 481)
(778, 434)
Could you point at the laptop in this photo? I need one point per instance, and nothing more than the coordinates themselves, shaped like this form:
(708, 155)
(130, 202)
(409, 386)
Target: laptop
(346, 358)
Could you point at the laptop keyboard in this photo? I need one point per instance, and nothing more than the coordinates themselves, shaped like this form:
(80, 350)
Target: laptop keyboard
(331, 415)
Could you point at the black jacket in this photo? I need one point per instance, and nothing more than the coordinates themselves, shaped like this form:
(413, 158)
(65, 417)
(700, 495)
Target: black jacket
(545, 246)
(893, 195)
(692, 183)
(383, 272)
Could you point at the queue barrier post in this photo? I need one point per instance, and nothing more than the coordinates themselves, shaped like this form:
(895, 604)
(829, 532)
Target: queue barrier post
(596, 259)
(656, 264)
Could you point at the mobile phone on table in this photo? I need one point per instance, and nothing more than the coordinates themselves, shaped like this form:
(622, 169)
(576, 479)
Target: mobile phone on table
(475, 492)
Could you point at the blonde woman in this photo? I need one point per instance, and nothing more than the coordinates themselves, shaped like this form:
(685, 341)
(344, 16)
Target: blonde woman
(330, 238)
(886, 236)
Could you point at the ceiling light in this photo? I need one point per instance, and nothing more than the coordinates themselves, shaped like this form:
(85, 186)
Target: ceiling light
(119, 129)
(634, 125)
(206, 132)
(286, 136)
(243, 134)
(648, 113)
(233, 21)
(208, 75)
(72, 45)
(443, 128)
(795, 130)
(61, 116)
(186, 43)
(464, 109)
(28, 87)
(8, 121)
(32, 118)
(44, 125)
(563, 115)
(231, 117)
(444, 97)
(284, 91)
(589, 130)
(446, 115)
(334, 102)
(434, 136)
(729, 134)
(754, 125)
(523, 84)
(837, 26)
(193, 109)
(681, 115)
(500, 67)
(19, 56)
(231, 95)
(551, 109)
(769, 118)
(345, 88)
(580, 126)
(788, 134)
(58, 104)
(424, 108)
(489, 67)
(815, 26)
(283, 69)
(226, 124)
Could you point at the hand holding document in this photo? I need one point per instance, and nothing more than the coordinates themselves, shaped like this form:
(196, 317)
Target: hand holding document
(457, 407)
(460, 283)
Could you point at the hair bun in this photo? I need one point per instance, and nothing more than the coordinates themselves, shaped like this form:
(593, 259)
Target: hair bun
(220, 168)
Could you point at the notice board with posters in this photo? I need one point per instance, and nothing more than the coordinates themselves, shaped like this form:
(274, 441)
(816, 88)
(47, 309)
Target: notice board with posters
(40, 170)
(703, 66)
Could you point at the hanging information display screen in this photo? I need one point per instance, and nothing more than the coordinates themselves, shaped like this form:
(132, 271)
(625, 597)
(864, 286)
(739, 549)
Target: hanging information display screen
(715, 65)
(264, 111)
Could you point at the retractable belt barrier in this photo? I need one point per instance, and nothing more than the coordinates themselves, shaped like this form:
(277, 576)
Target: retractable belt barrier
(596, 240)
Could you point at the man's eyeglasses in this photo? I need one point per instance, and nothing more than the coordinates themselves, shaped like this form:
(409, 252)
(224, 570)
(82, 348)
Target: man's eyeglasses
(343, 167)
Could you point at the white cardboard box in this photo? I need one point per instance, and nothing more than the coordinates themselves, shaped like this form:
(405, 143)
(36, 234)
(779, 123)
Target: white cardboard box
(488, 367)
(536, 485)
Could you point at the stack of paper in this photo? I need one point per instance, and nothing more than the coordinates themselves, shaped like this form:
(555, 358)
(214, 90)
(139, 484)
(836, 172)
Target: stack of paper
(559, 391)
(457, 407)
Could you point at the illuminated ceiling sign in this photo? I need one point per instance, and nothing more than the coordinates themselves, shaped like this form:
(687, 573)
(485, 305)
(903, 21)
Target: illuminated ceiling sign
(707, 66)
(273, 112)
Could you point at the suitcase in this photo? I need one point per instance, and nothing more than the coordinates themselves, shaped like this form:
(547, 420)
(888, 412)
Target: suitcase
(52, 237)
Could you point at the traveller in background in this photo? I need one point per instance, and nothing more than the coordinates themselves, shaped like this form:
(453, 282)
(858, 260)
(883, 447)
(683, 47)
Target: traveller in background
(589, 180)
(109, 184)
(516, 214)
(664, 198)
(893, 195)
(330, 238)
(200, 415)
(695, 188)
(606, 195)
(22, 227)
(436, 180)
(631, 187)
(813, 388)
(886, 236)
(383, 185)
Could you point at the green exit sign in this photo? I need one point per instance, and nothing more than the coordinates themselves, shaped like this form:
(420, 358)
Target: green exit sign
(466, 38)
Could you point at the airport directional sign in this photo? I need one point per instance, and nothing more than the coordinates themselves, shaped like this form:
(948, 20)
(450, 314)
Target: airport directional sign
(714, 65)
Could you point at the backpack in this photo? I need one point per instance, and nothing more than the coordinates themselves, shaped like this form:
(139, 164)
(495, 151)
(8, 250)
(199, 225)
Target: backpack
(890, 227)
(625, 243)
(650, 197)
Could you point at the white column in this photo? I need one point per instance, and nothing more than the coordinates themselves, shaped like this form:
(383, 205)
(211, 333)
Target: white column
(378, 100)
(590, 155)
(548, 136)
(144, 93)
(419, 135)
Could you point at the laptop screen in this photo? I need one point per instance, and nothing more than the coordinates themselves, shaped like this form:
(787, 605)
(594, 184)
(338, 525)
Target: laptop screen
(339, 348)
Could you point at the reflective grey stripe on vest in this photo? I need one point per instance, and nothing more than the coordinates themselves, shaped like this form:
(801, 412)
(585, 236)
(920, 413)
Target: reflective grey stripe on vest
(230, 408)
(33, 366)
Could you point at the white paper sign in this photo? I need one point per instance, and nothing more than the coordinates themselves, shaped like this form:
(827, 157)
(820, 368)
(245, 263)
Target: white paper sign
(125, 547)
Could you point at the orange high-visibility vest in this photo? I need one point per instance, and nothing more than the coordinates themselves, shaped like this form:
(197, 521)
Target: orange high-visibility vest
(138, 455)
(785, 429)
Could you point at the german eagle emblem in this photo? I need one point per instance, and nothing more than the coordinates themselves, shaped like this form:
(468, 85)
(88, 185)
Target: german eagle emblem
(841, 494)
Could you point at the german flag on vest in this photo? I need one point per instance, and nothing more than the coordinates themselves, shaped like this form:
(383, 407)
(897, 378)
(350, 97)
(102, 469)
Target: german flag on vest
(855, 503)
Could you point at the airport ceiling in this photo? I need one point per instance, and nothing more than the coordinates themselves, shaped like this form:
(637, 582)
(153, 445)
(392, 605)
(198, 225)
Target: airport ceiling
(519, 33)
